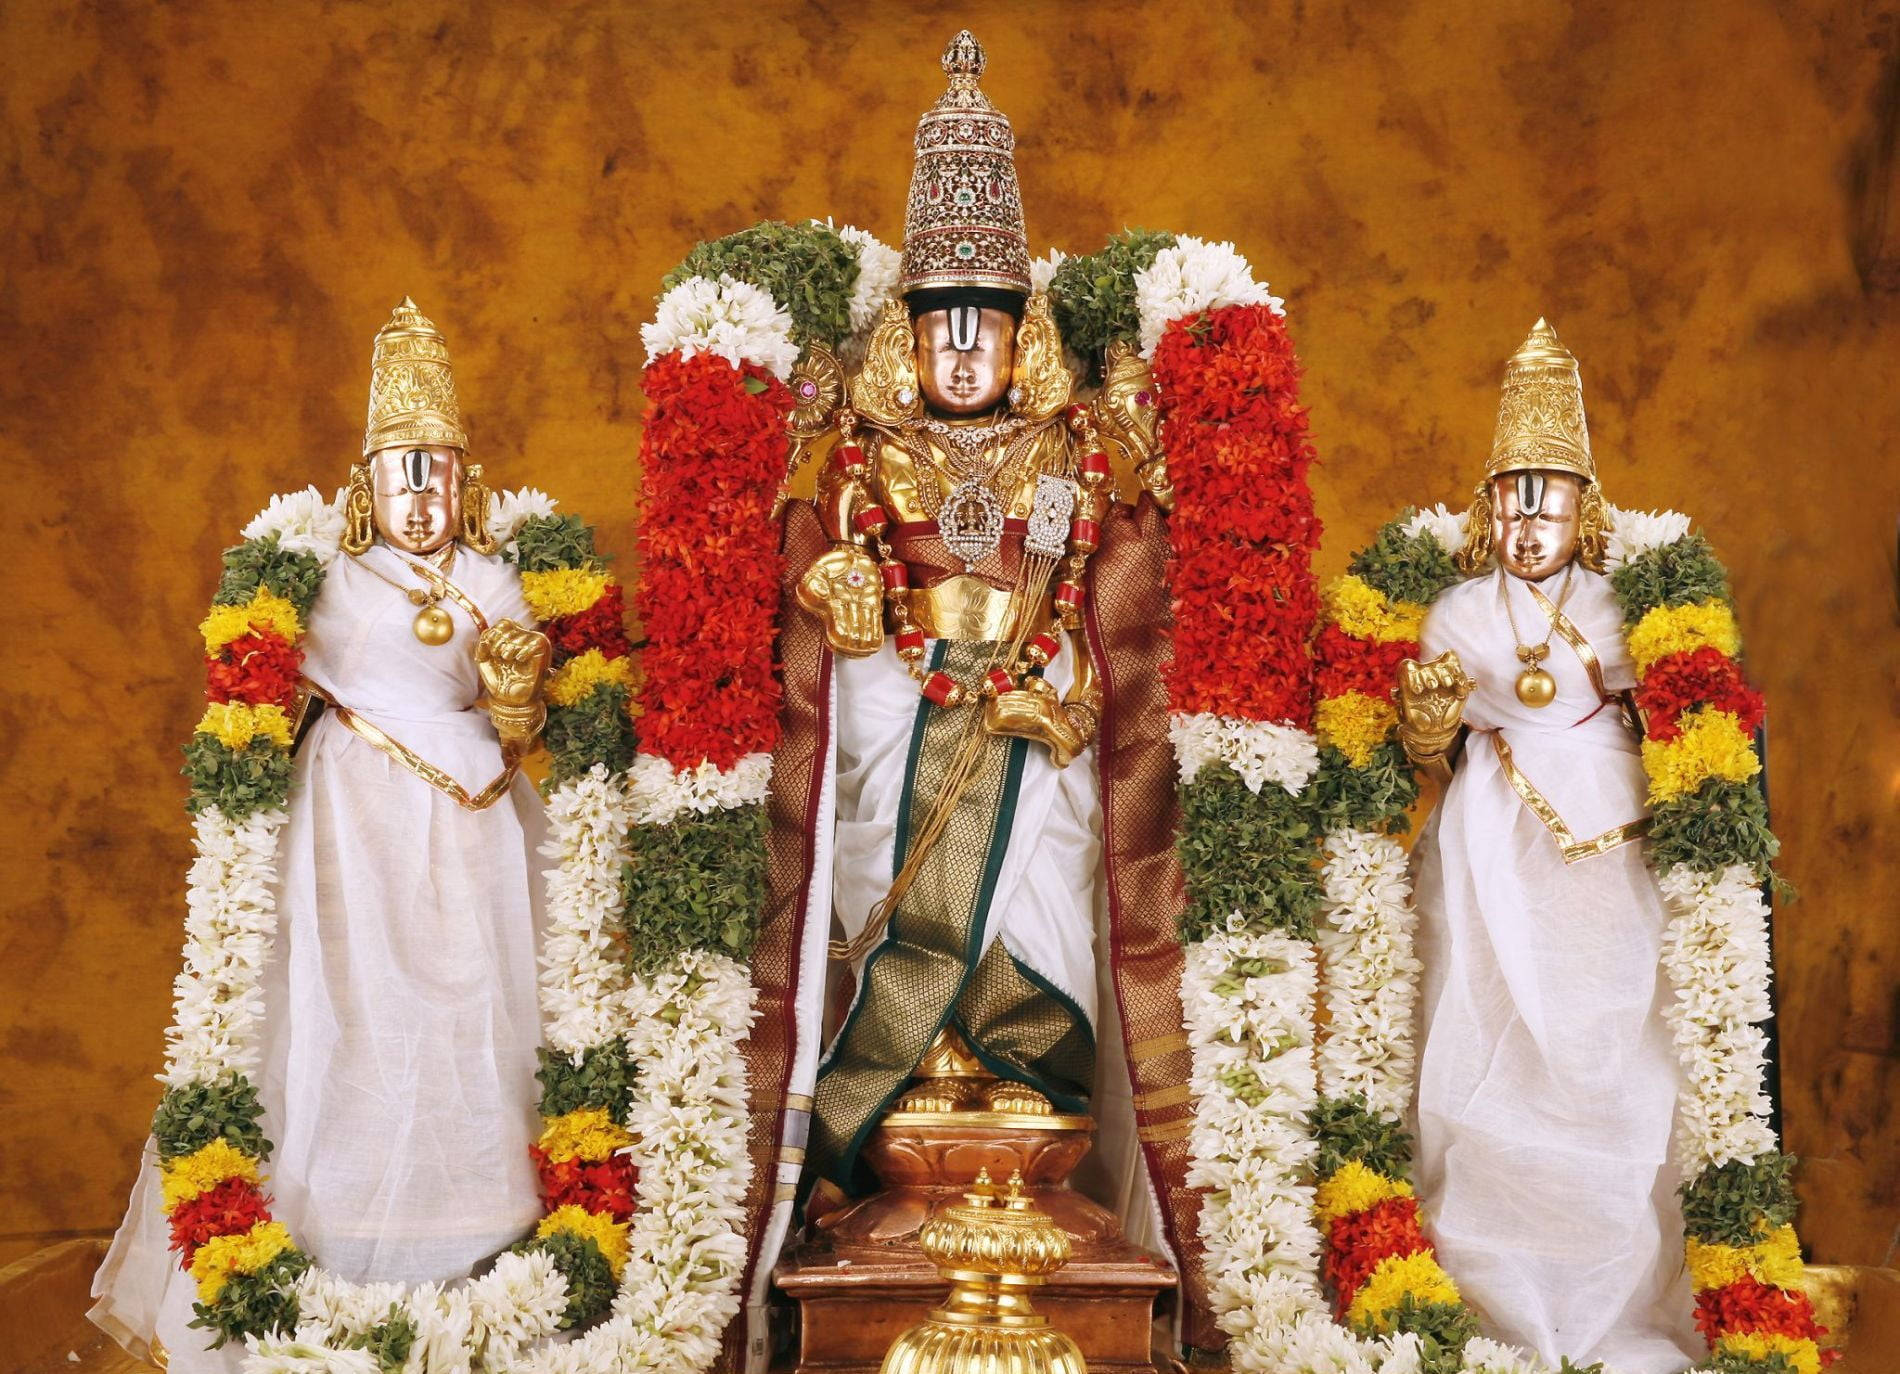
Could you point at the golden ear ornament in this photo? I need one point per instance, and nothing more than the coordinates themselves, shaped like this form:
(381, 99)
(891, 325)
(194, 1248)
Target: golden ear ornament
(817, 384)
(885, 391)
(1041, 380)
(476, 499)
(359, 511)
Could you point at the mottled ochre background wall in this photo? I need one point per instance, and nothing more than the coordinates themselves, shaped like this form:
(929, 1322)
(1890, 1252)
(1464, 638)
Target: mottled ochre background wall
(208, 209)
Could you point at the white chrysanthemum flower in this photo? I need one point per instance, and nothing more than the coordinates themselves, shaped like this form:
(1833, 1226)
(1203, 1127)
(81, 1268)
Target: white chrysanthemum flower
(1446, 526)
(304, 522)
(510, 508)
(300, 1357)
(878, 265)
(1484, 1356)
(1190, 277)
(662, 794)
(1260, 751)
(1043, 270)
(1636, 532)
(730, 318)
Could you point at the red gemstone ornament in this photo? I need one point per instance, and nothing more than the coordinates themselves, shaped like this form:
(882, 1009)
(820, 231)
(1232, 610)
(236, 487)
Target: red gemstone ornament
(910, 644)
(1086, 535)
(850, 458)
(1042, 649)
(896, 577)
(943, 689)
(871, 520)
(1070, 595)
(1000, 682)
(1095, 465)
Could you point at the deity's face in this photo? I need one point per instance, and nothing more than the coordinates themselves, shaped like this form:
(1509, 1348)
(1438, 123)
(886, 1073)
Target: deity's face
(1534, 522)
(417, 495)
(965, 357)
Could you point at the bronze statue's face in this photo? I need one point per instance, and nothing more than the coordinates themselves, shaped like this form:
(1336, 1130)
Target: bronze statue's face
(965, 356)
(417, 495)
(1534, 519)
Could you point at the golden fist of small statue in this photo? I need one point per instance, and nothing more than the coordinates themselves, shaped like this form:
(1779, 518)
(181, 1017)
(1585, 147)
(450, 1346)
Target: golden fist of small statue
(513, 661)
(1431, 701)
(1034, 711)
(843, 588)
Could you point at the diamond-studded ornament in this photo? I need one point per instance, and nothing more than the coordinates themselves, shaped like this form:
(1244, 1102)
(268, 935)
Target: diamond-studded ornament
(971, 522)
(1049, 517)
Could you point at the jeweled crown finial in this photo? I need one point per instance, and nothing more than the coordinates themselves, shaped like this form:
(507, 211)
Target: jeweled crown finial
(412, 387)
(964, 57)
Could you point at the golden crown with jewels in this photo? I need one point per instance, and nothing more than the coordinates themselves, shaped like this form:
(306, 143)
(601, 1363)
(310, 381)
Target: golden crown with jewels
(963, 225)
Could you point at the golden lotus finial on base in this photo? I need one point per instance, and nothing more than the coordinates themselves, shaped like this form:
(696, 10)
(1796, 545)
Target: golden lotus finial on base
(994, 1247)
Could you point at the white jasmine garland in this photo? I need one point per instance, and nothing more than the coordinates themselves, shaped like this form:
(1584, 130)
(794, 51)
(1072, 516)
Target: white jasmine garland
(304, 522)
(1445, 526)
(1260, 751)
(230, 918)
(733, 319)
(1190, 277)
(1371, 983)
(1636, 532)
(300, 1357)
(583, 979)
(661, 794)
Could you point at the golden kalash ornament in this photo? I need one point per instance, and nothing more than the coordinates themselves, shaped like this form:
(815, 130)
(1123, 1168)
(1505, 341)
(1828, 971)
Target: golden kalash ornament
(994, 1248)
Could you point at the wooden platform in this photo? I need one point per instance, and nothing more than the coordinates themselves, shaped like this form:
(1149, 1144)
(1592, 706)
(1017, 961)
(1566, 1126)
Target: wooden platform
(44, 1297)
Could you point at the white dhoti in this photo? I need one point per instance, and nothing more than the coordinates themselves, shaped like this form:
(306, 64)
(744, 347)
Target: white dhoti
(401, 1019)
(1547, 1078)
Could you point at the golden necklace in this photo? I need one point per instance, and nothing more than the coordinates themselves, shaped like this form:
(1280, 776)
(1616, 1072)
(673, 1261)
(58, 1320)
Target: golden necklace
(432, 625)
(1536, 688)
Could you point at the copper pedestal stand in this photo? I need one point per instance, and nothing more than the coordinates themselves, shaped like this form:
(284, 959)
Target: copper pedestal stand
(862, 1280)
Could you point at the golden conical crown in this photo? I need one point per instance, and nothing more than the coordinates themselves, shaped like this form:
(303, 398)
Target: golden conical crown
(963, 225)
(1540, 414)
(411, 388)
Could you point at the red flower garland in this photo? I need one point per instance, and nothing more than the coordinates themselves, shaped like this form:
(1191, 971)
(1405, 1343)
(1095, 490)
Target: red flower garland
(1359, 1241)
(1681, 682)
(231, 1208)
(1749, 1306)
(712, 456)
(258, 668)
(1243, 528)
(601, 626)
(599, 1185)
(1348, 664)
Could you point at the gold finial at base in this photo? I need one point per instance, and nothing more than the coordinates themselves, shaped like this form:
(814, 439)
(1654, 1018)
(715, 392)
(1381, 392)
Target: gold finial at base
(993, 1247)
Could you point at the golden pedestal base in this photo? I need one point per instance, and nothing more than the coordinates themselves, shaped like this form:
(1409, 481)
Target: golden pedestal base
(862, 1280)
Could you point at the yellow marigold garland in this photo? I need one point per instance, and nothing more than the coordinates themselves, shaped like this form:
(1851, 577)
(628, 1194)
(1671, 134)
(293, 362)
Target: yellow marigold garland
(235, 724)
(265, 610)
(1666, 630)
(599, 1227)
(1355, 724)
(1353, 1188)
(584, 672)
(562, 591)
(1800, 1352)
(1711, 745)
(245, 1253)
(1418, 1274)
(184, 1178)
(587, 1133)
(1775, 1259)
(1361, 610)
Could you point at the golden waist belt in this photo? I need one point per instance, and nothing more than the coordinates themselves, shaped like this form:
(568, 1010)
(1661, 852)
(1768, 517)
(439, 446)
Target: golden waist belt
(965, 608)
(415, 763)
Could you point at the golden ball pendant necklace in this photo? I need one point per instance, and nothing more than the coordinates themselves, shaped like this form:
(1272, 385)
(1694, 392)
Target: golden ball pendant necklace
(1536, 688)
(433, 625)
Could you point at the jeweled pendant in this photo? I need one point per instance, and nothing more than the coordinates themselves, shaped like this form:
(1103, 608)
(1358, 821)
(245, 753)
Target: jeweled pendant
(1536, 688)
(434, 626)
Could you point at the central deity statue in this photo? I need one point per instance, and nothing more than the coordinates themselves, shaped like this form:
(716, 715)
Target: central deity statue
(961, 515)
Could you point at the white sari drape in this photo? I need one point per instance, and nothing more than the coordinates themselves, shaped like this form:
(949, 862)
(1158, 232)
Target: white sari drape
(1547, 1079)
(401, 1023)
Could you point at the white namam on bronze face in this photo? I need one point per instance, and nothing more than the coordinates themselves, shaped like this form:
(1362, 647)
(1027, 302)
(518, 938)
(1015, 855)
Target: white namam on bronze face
(1547, 1081)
